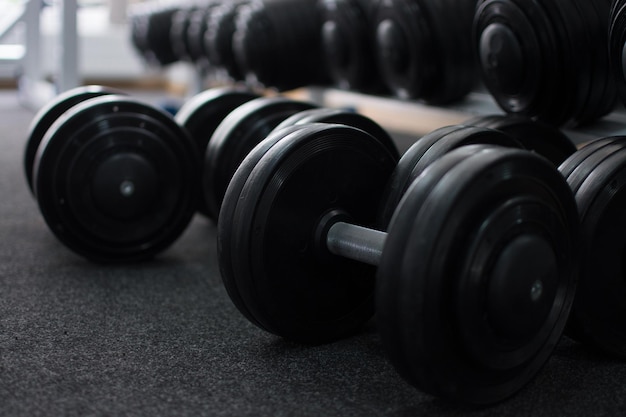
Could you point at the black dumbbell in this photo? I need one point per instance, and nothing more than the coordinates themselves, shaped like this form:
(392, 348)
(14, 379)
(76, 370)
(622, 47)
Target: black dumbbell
(114, 178)
(475, 274)
(150, 26)
(424, 49)
(546, 59)
(218, 38)
(277, 43)
(348, 44)
(48, 114)
(597, 176)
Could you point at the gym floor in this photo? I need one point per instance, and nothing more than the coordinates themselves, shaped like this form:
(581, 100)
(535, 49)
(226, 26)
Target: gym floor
(163, 338)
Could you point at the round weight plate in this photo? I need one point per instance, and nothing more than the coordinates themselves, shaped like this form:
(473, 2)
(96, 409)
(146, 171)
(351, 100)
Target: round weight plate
(203, 113)
(574, 161)
(406, 49)
(478, 273)
(517, 44)
(218, 39)
(115, 179)
(599, 183)
(48, 114)
(153, 30)
(238, 133)
(347, 44)
(227, 221)
(178, 32)
(430, 148)
(593, 157)
(288, 281)
(542, 138)
(278, 44)
(343, 117)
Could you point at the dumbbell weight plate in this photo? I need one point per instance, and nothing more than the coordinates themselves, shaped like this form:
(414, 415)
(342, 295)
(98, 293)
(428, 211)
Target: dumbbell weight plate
(429, 149)
(599, 183)
(542, 138)
(151, 35)
(115, 179)
(516, 47)
(202, 115)
(48, 114)
(459, 306)
(343, 117)
(235, 137)
(218, 39)
(290, 286)
(348, 44)
(227, 221)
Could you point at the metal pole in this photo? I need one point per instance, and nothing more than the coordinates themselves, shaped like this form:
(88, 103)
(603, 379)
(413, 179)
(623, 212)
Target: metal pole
(356, 242)
(67, 76)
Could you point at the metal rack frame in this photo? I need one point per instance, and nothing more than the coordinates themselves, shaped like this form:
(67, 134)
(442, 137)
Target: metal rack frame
(35, 89)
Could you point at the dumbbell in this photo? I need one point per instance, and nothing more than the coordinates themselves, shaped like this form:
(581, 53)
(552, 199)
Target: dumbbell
(218, 38)
(150, 32)
(475, 273)
(114, 178)
(546, 59)
(348, 44)
(424, 49)
(188, 29)
(597, 176)
(277, 43)
(596, 318)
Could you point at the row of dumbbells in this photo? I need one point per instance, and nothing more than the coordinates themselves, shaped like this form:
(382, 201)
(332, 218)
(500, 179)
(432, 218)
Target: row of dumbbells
(470, 246)
(270, 43)
(556, 62)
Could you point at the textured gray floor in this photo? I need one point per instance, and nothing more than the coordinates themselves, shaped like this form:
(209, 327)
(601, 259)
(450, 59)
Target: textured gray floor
(162, 338)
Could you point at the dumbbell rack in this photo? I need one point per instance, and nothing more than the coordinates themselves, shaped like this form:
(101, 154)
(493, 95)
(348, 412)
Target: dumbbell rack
(35, 89)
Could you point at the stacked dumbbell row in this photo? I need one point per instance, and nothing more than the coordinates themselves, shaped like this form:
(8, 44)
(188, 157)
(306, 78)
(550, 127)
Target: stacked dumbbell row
(477, 244)
(555, 62)
(274, 43)
(546, 59)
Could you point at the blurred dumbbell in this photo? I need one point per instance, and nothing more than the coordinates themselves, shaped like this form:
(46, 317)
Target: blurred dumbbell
(277, 43)
(424, 49)
(218, 38)
(546, 59)
(348, 44)
(150, 25)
